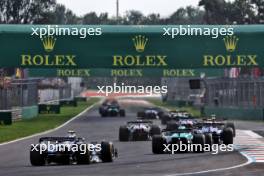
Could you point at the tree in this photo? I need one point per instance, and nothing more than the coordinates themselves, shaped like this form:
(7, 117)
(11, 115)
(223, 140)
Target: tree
(25, 11)
(233, 12)
(188, 15)
(241, 12)
(133, 17)
(71, 18)
(195, 15)
(178, 17)
(90, 18)
(215, 11)
(259, 7)
(61, 15)
(152, 19)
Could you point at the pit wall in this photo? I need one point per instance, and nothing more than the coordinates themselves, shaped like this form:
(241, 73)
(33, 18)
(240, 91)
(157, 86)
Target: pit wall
(235, 112)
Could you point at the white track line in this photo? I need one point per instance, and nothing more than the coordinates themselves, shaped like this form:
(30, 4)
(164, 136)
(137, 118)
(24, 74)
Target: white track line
(49, 131)
(215, 170)
(242, 140)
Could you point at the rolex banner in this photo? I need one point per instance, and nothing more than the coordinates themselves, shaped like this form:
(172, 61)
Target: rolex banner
(97, 72)
(127, 47)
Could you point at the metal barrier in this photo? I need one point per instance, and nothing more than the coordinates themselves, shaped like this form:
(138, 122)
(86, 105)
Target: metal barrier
(49, 95)
(235, 92)
(179, 90)
(20, 93)
(219, 92)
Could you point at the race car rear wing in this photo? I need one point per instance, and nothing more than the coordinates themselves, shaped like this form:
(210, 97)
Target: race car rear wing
(186, 130)
(214, 119)
(59, 139)
(204, 123)
(140, 121)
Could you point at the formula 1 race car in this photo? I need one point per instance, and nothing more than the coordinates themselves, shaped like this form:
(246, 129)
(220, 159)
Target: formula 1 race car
(175, 116)
(187, 122)
(182, 135)
(70, 150)
(139, 130)
(111, 108)
(222, 131)
(150, 113)
(174, 125)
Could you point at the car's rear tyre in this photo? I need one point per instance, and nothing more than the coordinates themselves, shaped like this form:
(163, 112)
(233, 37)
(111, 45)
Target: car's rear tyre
(232, 125)
(199, 139)
(154, 130)
(228, 136)
(123, 133)
(209, 140)
(83, 158)
(103, 114)
(37, 158)
(122, 113)
(157, 144)
(107, 150)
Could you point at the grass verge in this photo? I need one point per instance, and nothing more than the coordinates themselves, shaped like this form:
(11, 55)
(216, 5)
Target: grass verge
(195, 111)
(42, 122)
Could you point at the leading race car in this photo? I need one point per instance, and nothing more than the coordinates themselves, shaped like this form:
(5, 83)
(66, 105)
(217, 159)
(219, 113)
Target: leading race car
(110, 107)
(222, 131)
(70, 150)
(139, 130)
(181, 135)
(150, 113)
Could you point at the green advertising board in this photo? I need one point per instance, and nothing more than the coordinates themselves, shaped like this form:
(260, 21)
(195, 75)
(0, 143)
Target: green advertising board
(119, 47)
(34, 72)
(49, 108)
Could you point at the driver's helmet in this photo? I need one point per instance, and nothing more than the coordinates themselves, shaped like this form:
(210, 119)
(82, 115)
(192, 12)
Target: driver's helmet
(71, 133)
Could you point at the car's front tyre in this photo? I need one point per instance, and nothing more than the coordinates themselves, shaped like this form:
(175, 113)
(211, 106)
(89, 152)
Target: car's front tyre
(107, 150)
(37, 158)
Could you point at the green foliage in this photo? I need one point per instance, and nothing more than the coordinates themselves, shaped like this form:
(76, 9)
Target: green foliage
(42, 123)
(208, 12)
(233, 12)
(25, 11)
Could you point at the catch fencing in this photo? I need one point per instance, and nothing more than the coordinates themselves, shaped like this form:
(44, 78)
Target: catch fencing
(54, 94)
(18, 93)
(218, 91)
(235, 92)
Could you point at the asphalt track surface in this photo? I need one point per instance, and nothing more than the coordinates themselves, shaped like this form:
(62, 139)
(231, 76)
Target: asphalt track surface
(135, 158)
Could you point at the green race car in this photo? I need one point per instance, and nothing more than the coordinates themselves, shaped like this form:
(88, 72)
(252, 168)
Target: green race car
(178, 140)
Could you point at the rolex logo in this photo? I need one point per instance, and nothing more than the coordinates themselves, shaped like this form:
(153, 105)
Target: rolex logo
(230, 43)
(140, 43)
(48, 43)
